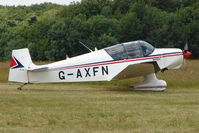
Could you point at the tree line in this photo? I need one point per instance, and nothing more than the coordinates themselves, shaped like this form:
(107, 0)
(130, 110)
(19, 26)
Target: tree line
(51, 31)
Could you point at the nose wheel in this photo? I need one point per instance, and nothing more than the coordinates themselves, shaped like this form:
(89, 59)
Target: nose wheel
(150, 83)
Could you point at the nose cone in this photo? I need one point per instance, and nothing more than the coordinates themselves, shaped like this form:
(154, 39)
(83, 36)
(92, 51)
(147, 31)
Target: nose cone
(186, 54)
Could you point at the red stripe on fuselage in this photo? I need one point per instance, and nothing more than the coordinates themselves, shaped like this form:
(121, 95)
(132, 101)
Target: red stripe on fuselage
(139, 87)
(115, 62)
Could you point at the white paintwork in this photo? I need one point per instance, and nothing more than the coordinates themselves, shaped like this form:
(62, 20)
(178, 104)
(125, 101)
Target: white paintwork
(173, 62)
(93, 66)
(82, 59)
(150, 83)
(20, 74)
(169, 62)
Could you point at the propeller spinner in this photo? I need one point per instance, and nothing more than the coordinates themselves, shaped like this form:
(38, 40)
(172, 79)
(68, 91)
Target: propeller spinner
(186, 53)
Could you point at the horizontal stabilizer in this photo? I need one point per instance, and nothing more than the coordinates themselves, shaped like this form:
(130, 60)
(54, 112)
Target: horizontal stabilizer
(38, 69)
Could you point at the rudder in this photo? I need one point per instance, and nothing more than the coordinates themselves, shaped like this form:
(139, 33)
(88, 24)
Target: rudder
(20, 61)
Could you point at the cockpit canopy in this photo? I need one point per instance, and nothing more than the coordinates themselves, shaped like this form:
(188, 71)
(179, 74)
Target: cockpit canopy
(130, 50)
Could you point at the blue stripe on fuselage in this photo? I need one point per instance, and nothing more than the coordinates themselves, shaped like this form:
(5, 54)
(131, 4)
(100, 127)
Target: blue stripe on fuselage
(111, 61)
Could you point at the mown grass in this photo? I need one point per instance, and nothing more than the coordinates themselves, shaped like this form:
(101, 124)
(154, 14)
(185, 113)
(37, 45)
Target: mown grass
(102, 106)
(62, 108)
(4, 69)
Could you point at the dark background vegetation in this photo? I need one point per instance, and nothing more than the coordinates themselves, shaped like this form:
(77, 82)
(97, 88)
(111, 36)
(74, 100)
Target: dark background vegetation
(51, 31)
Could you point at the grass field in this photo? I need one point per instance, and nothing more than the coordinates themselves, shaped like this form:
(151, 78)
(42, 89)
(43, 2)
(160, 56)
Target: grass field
(102, 106)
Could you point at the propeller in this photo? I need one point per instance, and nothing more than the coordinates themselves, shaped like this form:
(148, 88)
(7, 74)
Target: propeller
(186, 48)
(186, 53)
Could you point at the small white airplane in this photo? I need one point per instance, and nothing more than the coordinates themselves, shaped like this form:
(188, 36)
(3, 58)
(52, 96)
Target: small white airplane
(125, 60)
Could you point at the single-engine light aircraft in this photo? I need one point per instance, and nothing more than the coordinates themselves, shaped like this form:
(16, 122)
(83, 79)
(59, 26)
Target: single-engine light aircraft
(121, 61)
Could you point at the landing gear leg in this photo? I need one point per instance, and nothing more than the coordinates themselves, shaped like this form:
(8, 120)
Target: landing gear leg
(20, 87)
(151, 83)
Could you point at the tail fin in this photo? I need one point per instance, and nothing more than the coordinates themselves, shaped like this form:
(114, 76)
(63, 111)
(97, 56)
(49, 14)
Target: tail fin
(20, 61)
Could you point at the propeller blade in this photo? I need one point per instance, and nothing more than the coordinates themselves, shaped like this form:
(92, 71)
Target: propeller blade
(186, 47)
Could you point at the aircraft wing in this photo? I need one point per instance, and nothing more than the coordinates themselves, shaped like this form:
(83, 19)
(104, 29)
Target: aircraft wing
(135, 70)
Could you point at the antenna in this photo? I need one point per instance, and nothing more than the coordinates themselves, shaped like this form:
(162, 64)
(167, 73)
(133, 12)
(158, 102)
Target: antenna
(85, 46)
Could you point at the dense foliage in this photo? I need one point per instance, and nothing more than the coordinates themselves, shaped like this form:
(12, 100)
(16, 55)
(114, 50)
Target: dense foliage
(51, 31)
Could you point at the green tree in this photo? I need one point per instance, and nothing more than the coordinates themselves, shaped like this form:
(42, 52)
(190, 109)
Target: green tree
(37, 38)
(132, 27)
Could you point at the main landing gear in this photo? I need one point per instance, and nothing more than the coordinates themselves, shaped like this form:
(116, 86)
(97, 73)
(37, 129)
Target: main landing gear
(150, 83)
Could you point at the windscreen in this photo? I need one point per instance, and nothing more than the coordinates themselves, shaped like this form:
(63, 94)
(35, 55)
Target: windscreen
(130, 50)
(146, 48)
